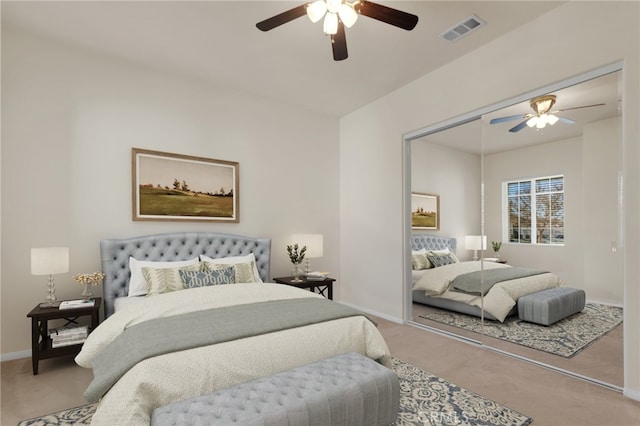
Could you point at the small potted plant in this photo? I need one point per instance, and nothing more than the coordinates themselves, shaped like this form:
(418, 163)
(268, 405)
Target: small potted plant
(296, 255)
(496, 247)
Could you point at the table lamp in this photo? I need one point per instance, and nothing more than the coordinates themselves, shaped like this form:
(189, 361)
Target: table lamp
(314, 247)
(475, 243)
(50, 261)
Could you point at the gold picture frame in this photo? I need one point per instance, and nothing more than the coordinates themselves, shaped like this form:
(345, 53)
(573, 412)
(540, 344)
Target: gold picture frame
(425, 211)
(176, 187)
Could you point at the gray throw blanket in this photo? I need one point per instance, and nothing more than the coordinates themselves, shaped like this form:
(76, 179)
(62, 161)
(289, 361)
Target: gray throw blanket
(180, 332)
(471, 282)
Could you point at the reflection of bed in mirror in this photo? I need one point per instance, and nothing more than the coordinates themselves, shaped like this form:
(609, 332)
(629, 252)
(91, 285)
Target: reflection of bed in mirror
(440, 280)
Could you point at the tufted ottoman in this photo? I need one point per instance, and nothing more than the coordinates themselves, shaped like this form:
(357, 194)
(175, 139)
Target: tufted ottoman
(549, 306)
(348, 389)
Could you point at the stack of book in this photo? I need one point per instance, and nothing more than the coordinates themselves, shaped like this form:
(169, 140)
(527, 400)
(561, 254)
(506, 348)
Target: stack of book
(69, 335)
(74, 304)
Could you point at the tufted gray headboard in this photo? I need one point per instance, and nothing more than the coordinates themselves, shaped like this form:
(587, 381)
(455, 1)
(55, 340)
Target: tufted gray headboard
(432, 242)
(171, 247)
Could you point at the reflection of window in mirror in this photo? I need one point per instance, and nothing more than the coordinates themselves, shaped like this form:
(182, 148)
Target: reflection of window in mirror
(534, 210)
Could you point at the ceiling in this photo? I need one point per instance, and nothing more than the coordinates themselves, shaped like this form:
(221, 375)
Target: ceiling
(217, 41)
(472, 137)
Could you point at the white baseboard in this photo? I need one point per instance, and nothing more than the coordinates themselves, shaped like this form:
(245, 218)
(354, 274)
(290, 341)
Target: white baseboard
(631, 394)
(15, 355)
(374, 313)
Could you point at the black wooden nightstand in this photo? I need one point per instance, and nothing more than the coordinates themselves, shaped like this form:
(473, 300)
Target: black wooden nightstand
(320, 287)
(40, 341)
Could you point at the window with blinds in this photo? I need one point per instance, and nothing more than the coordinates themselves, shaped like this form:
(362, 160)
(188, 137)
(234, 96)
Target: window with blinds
(535, 210)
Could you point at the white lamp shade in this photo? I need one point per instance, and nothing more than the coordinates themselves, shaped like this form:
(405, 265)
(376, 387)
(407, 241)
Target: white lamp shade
(348, 16)
(333, 5)
(313, 243)
(49, 260)
(316, 10)
(475, 242)
(331, 23)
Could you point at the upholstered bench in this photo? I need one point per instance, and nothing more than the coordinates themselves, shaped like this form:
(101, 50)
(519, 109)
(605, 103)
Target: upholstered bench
(550, 306)
(347, 389)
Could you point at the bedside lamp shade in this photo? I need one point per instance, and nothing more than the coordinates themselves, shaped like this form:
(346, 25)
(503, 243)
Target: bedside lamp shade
(475, 243)
(50, 261)
(314, 247)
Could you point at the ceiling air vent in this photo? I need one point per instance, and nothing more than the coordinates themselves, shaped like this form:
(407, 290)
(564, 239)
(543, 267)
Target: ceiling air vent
(463, 28)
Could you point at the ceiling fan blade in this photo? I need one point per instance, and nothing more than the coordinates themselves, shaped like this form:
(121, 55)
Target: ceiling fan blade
(507, 118)
(579, 107)
(519, 127)
(566, 120)
(398, 18)
(282, 18)
(339, 44)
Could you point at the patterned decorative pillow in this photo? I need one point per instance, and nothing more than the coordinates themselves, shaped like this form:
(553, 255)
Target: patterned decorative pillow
(234, 260)
(244, 271)
(420, 261)
(441, 260)
(138, 283)
(164, 280)
(444, 251)
(193, 279)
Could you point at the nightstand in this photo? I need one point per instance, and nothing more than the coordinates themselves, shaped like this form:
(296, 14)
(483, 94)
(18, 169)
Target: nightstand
(316, 286)
(40, 341)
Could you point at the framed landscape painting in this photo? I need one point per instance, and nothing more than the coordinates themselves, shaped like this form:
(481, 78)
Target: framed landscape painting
(175, 187)
(425, 211)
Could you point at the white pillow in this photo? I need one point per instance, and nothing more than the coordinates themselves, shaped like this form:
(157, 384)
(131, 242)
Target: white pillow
(137, 283)
(232, 260)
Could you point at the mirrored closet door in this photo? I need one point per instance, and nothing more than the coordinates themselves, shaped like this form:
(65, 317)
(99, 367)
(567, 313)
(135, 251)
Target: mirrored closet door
(546, 197)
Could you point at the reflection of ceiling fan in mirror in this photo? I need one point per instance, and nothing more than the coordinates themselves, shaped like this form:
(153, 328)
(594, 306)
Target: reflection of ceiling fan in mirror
(338, 14)
(541, 116)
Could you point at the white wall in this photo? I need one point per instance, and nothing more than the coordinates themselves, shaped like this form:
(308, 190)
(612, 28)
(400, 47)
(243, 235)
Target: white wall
(69, 121)
(602, 160)
(585, 36)
(455, 176)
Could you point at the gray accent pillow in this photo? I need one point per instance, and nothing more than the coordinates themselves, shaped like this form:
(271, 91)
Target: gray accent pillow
(193, 279)
(244, 272)
(441, 260)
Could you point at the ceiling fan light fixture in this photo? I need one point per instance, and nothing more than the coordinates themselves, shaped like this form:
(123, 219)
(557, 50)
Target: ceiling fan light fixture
(552, 119)
(532, 121)
(331, 23)
(333, 5)
(543, 120)
(543, 104)
(316, 10)
(348, 16)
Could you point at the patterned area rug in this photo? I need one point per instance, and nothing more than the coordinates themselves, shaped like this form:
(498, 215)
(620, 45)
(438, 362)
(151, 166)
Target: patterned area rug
(424, 400)
(564, 338)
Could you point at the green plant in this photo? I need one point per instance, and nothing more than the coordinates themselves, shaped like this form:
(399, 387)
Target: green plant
(496, 245)
(296, 254)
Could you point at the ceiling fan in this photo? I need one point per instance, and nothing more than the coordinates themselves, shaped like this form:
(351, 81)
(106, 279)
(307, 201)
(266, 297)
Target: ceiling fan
(338, 14)
(542, 115)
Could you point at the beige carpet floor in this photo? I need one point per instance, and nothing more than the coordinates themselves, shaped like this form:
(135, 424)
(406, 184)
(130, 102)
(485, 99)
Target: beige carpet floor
(550, 398)
(603, 360)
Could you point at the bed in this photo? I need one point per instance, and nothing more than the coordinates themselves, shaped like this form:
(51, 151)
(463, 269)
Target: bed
(129, 383)
(434, 286)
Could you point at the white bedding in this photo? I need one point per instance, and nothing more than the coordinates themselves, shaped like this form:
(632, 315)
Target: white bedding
(164, 379)
(498, 301)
